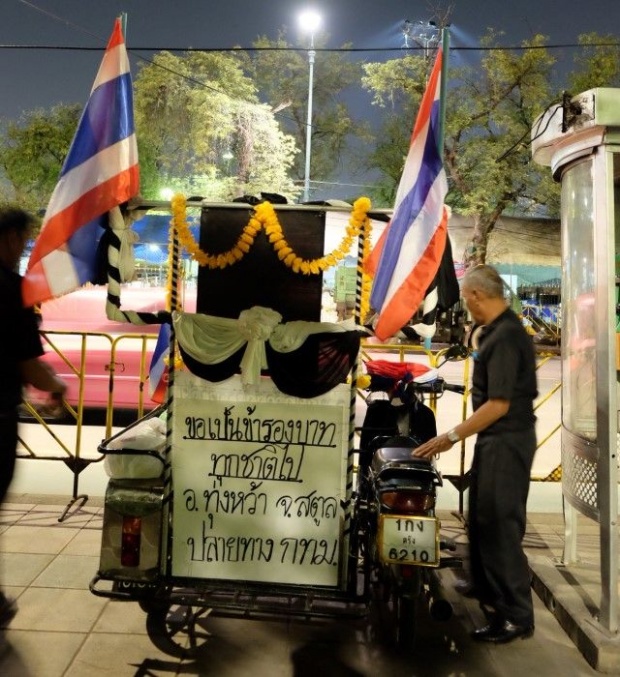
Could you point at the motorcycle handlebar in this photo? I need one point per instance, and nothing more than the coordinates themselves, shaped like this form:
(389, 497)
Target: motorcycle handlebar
(437, 387)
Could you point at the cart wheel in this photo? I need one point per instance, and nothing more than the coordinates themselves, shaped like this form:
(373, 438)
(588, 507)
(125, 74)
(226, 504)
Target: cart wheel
(149, 605)
(177, 630)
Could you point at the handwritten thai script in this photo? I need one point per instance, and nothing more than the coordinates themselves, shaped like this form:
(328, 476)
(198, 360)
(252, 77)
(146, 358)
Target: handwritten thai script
(299, 551)
(270, 462)
(252, 428)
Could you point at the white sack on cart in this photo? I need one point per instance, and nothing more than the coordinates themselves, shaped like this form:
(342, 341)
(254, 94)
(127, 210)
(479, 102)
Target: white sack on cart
(146, 435)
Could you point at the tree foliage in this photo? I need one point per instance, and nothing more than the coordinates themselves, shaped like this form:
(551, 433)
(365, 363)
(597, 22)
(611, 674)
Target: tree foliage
(281, 76)
(489, 115)
(225, 124)
(490, 112)
(597, 63)
(203, 130)
(32, 152)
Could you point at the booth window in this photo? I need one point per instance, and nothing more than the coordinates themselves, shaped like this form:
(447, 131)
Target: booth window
(578, 307)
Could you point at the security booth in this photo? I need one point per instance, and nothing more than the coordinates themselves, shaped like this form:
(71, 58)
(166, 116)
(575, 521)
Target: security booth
(579, 140)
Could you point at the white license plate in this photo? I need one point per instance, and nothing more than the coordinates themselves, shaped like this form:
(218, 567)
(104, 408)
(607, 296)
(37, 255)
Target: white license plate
(409, 540)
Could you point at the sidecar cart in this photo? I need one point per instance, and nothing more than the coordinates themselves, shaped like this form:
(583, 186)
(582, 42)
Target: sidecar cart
(249, 510)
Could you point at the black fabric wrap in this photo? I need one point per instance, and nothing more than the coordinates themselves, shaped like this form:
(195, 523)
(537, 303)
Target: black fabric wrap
(318, 365)
(213, 372)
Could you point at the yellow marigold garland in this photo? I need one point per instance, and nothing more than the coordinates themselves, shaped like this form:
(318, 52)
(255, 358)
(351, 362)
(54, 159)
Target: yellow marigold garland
(265, 217)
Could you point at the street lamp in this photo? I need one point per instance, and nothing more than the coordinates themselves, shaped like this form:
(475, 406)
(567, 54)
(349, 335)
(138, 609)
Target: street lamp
(425, 34)
(309, 21)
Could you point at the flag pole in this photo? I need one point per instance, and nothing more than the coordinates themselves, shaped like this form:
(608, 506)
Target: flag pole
(123, 17)
(445, 48)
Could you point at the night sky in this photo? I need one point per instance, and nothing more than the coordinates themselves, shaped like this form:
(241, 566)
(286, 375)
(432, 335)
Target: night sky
(33, 78)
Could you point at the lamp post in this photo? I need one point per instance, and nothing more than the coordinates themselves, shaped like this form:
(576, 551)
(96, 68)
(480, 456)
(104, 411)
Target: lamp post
(309, 21)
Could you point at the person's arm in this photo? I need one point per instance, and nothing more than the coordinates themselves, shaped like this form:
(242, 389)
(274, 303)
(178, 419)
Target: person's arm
(482, 418)
(39, 374)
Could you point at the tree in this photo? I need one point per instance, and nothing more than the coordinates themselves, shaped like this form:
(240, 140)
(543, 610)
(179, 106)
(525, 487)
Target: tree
(281, 76)
(397, 86)
(596, 64)
(33, 151)
(490, 113)
(203, 130)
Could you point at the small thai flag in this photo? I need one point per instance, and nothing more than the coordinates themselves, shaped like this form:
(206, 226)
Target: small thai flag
(158, 371)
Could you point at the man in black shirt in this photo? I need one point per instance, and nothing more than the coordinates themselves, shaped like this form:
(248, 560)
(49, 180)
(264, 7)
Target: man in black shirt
(503, 391)
(20, 350)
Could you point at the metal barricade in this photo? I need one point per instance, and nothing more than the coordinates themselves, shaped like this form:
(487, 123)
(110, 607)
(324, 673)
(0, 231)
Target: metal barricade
(69, 352)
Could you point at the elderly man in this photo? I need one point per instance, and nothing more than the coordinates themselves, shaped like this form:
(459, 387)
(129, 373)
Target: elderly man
(503, 390)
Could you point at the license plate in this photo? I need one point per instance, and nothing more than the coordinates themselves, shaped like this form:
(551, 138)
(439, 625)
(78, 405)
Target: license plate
(409, 540)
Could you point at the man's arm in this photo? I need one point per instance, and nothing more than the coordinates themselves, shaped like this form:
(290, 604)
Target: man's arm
(482, 418)
(39, 374)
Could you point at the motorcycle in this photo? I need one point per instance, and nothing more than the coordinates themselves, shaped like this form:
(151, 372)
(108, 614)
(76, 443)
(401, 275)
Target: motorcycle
(397, 496)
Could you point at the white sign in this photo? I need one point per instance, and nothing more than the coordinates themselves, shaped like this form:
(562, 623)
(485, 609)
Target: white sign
(259, 482)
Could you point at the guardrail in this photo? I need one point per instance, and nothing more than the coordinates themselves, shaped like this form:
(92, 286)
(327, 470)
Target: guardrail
(88, 389)
(76, 364)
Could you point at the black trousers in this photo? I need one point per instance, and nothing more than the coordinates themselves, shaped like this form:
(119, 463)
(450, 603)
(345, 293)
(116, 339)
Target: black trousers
(8, 450)
(500, 482)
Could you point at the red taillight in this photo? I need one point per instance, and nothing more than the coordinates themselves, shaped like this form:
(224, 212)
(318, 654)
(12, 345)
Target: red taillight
(130, 541)
(408, 501)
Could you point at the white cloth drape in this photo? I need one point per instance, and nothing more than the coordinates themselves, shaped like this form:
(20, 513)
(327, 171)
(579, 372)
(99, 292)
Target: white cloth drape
(210, 339)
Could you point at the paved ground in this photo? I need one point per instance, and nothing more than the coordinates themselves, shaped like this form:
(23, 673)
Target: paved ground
(63, 630)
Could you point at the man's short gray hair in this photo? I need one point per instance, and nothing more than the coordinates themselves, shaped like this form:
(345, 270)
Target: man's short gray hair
(486, 279)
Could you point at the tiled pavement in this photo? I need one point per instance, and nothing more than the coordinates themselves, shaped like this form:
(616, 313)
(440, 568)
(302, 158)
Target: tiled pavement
(62, 630)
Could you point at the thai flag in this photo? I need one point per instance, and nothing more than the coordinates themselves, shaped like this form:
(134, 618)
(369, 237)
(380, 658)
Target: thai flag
(158, 371)
(406, 258)
(100, 172)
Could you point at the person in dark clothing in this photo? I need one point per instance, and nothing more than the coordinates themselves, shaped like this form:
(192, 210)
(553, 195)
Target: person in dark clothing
(20, 348)
(503, 390)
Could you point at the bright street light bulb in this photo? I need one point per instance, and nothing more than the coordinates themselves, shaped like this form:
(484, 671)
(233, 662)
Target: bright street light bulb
(309, 20)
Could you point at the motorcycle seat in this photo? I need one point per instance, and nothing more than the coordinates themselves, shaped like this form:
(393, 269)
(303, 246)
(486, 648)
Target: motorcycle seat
(390, 462)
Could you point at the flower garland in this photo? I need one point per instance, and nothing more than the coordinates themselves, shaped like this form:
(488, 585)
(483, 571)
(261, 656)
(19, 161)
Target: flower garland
(186, 239)
(265, 217)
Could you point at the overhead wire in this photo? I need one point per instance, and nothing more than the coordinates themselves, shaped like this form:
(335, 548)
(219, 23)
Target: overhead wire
(134, 52)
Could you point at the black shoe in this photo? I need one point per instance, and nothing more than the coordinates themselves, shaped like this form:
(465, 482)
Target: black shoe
(502, 633)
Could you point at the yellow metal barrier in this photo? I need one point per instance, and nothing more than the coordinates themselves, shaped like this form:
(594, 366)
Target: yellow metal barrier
(74, 460)
(76, 366)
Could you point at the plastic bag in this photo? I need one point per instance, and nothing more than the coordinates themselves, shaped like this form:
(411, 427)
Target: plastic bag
(147, 435)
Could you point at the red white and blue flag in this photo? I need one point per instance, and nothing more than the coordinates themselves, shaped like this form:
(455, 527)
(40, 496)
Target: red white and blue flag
(158, 371)
(406, 258)
(100, 172)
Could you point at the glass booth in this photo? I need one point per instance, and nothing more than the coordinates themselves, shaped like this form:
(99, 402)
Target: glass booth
(579, 139)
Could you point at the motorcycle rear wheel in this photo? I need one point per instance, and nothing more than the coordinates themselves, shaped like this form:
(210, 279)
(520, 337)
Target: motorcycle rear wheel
(406, 595)
(405, 609)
